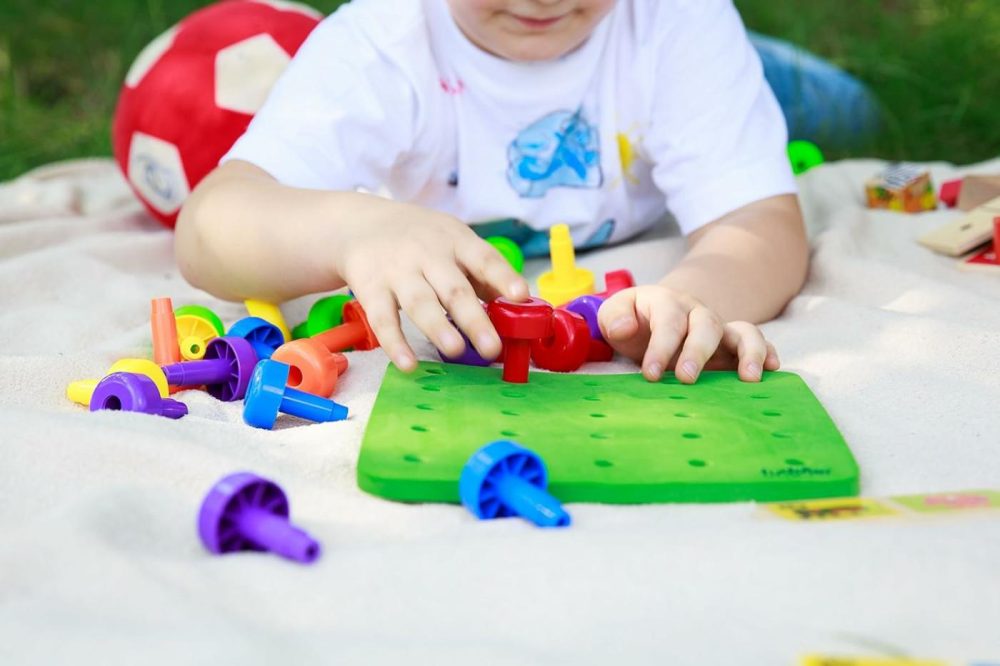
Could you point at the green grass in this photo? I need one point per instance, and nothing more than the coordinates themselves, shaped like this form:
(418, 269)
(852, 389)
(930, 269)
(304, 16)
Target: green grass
(61, 66)
(932, 63)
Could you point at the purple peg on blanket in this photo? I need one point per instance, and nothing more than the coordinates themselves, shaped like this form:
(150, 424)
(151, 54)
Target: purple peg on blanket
(225, 370)
(587, 307)
(243, 511)
(130, 392)
(468, 357)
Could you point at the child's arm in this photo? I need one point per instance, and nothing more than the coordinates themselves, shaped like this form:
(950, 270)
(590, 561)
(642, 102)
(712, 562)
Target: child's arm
(748, 264)
(742, 268)
(242, 234)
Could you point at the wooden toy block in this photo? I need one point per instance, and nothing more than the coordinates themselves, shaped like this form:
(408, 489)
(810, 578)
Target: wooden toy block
(838, 660)
(938, 503)
(977, 190)
(902, 187)
(964, 234)
(841, 508)
(949, 193)
(896, 506)
(986, 259)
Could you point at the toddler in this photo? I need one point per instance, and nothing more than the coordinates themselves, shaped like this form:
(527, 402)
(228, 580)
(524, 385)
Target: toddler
(511, 116)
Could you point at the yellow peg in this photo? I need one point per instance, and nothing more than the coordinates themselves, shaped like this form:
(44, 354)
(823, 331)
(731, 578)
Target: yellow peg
(269, 312)
(81, 390)
(565, 281)
(196, 327)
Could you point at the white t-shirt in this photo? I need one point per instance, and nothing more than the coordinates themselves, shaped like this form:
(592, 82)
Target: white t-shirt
(665, 106)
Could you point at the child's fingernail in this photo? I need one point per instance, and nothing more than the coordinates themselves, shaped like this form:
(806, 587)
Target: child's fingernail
(404, 361)
(690, 368)
(753, 369)
(654, 371)
(619, 325)
(452, 340)
(485, 341)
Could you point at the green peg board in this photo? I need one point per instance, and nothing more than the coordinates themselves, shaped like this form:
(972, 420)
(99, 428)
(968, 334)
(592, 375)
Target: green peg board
(608, 438)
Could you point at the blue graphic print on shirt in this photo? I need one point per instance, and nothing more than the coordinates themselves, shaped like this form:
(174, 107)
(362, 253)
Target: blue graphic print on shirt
(536, 243)
(559, 150)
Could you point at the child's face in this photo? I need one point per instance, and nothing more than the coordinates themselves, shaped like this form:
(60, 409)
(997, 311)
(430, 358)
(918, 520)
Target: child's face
(528, 29)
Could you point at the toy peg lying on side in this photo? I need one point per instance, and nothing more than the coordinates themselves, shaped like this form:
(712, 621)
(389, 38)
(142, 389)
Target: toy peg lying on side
(505, 479)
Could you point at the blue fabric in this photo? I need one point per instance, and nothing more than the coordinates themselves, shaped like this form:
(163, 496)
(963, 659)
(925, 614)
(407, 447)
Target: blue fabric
(821, 102)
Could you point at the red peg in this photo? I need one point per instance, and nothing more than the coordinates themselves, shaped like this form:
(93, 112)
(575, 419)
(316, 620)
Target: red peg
(354, 332)
(567, 349)
(600, 351)
(518, 325)
(615, 281)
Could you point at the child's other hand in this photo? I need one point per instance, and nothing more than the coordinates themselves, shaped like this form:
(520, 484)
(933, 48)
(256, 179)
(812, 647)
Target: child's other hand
(662, 328)
(430, 265)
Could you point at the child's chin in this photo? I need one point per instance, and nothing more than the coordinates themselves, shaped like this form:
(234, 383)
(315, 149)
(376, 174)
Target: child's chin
(535, 49)
(534, 56)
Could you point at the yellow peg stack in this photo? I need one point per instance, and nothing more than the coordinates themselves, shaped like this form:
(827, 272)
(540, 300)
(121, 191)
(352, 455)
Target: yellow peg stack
(565, 281)
(81, 390)
(270, 313)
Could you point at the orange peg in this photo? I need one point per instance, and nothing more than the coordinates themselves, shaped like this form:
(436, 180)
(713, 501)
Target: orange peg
(166, 351)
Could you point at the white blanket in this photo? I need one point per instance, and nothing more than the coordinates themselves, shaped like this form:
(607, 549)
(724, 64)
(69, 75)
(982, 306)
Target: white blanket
(100, 562)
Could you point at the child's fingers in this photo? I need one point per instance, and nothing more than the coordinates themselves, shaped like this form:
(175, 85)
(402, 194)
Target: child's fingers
(771, 361)
(631, 332)
(668, 324)
(705, 332)
(487, 267)
(383, 316)
(750, 346)
(420, 302)
(460, 300)
(617, 317)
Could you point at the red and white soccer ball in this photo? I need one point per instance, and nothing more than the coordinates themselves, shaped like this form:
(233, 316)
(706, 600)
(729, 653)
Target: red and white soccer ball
(192, 92)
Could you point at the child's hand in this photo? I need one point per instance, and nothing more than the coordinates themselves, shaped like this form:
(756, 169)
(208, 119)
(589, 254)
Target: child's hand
(662, 328)
(430, 265)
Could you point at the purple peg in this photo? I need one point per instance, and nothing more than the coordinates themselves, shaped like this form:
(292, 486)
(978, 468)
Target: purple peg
(587, 307)
(225, 370)
(243, 511)
(468, 357)
(130, 392)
